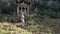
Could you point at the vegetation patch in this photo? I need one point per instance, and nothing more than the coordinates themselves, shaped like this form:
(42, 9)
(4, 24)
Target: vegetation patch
(6, 28)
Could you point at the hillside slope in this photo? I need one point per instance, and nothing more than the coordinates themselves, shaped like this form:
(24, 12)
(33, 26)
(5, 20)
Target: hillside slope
(30, 28)
(6, 28)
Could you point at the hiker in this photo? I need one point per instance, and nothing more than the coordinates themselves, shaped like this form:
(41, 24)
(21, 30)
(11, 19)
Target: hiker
(22, 19)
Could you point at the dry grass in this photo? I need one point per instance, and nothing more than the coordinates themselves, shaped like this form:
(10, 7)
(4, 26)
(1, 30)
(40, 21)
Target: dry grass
(6, 28)
(32, 26)
(38, 28)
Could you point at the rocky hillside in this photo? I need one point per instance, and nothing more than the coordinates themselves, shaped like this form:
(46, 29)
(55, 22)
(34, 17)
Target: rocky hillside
(31, 27)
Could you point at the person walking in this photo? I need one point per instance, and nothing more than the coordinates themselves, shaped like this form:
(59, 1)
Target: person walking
(22, 19)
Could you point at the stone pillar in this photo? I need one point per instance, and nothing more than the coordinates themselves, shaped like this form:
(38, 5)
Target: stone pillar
(28, 10)
(18, 10)
(25, 10)
(21, 9)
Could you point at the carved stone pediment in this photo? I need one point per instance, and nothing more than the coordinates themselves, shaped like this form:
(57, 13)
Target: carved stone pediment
(23, 3)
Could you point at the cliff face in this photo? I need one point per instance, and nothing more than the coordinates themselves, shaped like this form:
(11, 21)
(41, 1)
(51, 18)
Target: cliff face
(9, 6)
(6, 2)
